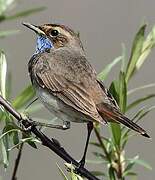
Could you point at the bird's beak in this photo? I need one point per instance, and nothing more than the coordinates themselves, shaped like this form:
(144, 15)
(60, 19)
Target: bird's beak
(35, 28)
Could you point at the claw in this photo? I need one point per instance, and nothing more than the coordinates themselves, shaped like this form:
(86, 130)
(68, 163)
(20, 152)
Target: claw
(66, 125)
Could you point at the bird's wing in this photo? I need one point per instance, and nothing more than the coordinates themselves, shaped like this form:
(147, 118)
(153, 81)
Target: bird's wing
(72, 93)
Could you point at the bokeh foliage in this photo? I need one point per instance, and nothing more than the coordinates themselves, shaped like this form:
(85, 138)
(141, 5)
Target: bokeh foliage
(111, 154)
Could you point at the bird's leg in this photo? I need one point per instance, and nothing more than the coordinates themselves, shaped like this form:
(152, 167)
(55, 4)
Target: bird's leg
(65, 126)
(89, 129)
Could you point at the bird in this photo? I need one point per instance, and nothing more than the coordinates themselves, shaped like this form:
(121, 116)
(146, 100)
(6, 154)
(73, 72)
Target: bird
(67, 84)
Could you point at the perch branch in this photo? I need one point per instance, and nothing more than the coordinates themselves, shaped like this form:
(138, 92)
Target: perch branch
(53, 144)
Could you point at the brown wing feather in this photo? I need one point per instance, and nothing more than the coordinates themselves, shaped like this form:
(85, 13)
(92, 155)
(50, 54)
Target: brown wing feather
(111, 112)
(72, 94)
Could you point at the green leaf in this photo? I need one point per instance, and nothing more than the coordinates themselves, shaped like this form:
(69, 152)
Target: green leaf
(4, 154)
(29, 139)
(7, 132)
(123, 58)
(135, 52)
(25, 96)
(129, 167)
(140, 88)
(71, 169)
(141, 162)
(3, 71)
(116, 133)
(103, 75)
(99, 155)
(8, 33)
(95, 161)
(140, 100)
(138, 116)
(15, 138)
(4, 5)
(62, 173)
(148, 45)
(111, 174)
(115, 128)
(8, 86)
(97, 173)
(25, 13)
(129, 173)
(114, 90)
(95, 144)
(144, 113)
(122, 92)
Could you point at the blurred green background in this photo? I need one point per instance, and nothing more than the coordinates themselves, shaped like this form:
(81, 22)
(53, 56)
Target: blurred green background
(103, 26)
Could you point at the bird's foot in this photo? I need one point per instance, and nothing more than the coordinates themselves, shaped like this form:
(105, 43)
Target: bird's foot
(26, 123)
(66, 125)
(80, 166)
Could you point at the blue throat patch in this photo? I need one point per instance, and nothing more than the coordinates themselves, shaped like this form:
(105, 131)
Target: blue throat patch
(43, 43)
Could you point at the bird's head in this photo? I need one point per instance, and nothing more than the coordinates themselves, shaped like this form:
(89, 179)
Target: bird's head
(54, 36)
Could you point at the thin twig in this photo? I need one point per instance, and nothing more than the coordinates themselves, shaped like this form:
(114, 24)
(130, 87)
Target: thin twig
(102, 144)
(53, 144)
(14, 177)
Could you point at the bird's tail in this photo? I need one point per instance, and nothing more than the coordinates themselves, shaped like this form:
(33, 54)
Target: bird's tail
(112, 114)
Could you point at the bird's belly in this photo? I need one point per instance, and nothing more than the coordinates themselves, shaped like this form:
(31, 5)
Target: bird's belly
(60, 109)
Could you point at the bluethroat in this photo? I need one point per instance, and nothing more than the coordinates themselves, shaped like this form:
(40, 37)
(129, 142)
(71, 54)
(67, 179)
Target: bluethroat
(67, 84)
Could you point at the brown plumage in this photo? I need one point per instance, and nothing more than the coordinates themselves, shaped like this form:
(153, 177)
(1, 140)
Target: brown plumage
(67, 83)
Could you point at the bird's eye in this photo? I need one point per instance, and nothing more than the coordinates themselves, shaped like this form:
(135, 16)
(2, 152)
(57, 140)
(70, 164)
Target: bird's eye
(54, 32)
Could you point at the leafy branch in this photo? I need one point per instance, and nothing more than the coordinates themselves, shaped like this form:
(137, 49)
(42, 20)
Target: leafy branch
(53, 144)
(113, 148)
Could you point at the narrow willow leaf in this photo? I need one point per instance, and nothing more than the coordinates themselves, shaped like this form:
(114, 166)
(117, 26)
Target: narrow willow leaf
(3, 71)
(8, 132)
(15, 138)
(141, 162)
(129, 173)
(135, 52)
(140, 88)
(123, 58)
(144, 113)
(8, 86)
(29, 140)
(111, 174)
(122, 92)
(71, 169)
(148, 45)
(128, 167)
(138, 101)
(24, 141)
(138, 116)
(116, 133)
(25, 13)
(4, 154)
(25, 96)
(103, 75)
(95, 161)
(8, 33)
(100, 155)
(97, 173)
(62, 173)
(4, 5)
(114, 90)
(115, 128)
(95, 144)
